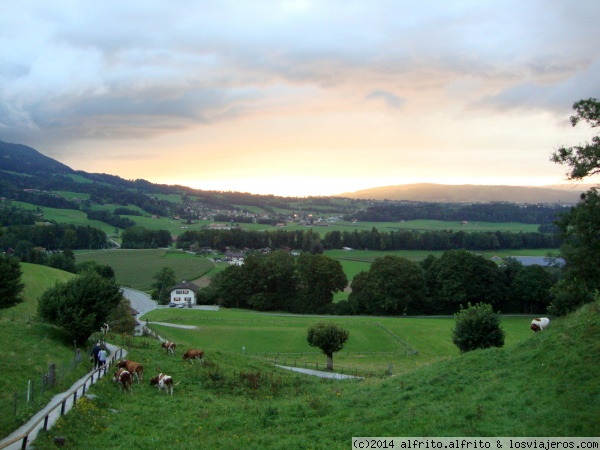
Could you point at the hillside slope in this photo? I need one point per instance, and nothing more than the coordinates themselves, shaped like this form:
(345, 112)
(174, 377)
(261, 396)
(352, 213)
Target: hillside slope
(546, 385)
(429, 192)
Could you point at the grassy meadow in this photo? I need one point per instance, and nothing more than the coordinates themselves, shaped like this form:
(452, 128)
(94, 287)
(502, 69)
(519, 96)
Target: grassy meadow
(535, 386)
(136, 268)
(29, 347)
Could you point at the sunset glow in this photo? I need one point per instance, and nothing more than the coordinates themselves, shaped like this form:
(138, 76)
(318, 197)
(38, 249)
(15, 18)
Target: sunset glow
(300, 98)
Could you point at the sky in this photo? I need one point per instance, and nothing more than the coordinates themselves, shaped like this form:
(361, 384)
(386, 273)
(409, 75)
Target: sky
(300, 98)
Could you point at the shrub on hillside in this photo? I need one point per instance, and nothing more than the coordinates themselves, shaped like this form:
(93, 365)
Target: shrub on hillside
(477, 327)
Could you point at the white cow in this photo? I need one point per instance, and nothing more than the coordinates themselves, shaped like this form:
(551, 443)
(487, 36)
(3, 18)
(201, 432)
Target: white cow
(539, 324)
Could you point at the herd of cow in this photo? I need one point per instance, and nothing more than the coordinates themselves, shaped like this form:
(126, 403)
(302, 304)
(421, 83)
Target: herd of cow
(127, 370)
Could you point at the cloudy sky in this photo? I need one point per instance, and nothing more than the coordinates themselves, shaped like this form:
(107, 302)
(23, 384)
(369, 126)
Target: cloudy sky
(300, 97)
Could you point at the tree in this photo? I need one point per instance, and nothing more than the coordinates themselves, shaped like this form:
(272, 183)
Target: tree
(329, 338)
(477, 327)
(319, 277)
(165, 278)
(393, 286)
(530, 289)
(81, 305)
(584, 160)
(580, 228)
(10, 281)
(459, 277)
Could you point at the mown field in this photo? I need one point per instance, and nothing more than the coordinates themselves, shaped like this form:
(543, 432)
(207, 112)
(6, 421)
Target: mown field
(136, 268)
(374, 343)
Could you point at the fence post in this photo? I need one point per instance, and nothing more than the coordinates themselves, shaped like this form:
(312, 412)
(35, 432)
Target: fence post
(63, 406)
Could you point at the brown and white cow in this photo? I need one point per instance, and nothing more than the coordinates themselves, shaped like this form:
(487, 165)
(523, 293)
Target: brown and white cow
(134, 368)
(170, 346)
(123, 377)
(538, 324)
(163, 381)
(192, 354)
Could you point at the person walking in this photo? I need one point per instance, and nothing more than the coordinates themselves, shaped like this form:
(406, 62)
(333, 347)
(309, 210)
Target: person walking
(94, 354)
(102, 357)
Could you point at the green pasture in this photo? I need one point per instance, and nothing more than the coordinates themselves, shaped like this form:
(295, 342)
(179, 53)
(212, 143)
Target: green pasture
(418, 225)
(136, 268)
(36, 279)
(80, 179)
(73, 216)
(368, 256)
(30, 347)
(72, 195)
(374, 342)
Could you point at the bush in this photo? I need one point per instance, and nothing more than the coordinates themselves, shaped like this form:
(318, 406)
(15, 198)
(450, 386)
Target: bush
(477, 327)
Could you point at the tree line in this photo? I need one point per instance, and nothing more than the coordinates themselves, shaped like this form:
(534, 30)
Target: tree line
(52, 237)
(477, 212)
(392, 286)
(309, 240)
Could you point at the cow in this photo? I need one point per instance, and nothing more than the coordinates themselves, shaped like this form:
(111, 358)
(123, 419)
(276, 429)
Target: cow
(104, 328)
(163, 381)
(123, 377)
(539, 324)
(133, 368)
(170, 346)
(192, 354)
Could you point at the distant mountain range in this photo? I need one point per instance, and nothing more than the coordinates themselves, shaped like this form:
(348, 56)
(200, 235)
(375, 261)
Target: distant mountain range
(24, 167)
(467, 193)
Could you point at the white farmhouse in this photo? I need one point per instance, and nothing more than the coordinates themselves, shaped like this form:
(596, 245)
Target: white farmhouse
(184, 294)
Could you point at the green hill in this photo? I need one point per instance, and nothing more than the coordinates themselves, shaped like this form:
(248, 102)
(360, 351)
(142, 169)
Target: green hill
(545, 385)
(29, 347)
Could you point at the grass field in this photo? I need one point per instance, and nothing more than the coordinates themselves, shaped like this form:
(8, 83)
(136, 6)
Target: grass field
(371, 345)
(532, 387)
(535, 385)
(136, 268)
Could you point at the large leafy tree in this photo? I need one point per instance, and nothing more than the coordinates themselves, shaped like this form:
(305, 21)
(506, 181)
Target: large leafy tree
(530, 289)
(329, 338)
(10, 281)
(459, 277)
(581, 226)
(319, 277)
(393, 286)
(81, 305)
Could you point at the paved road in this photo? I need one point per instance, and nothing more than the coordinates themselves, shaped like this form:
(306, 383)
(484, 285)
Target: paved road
(318, 373)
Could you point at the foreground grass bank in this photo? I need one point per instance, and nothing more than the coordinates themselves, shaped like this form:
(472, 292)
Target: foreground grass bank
(545, 385)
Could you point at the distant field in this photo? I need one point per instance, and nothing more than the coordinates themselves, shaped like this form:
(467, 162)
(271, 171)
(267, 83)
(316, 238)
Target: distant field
(136, 268)
(420, 225)
(368, 256)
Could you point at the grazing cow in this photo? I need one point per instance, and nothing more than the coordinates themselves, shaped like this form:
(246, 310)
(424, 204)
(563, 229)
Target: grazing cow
(124, 379)
(539, 324)
(170, 346)
(104, 328)
(192, 354)
(163, 381)
(133, 368)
